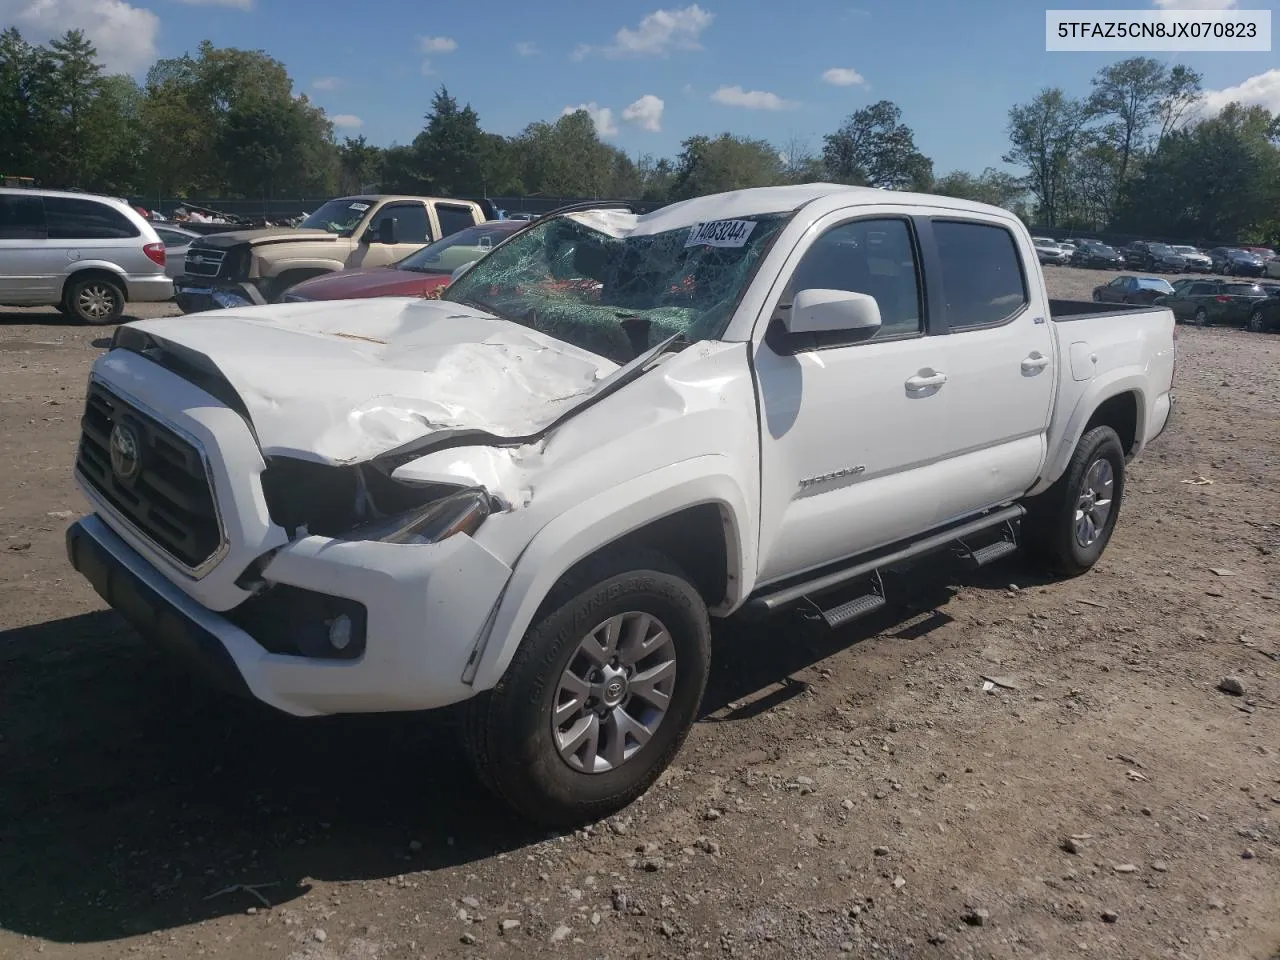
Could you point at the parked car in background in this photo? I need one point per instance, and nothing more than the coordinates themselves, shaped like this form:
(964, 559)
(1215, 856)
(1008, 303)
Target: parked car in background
(1206, 302)
(176, 240)
(417, 275)
(1156, 257)
(1097, 255)
(1051, 251)
(1197, 261)
(246, 267)
(1129, 289)
(1235, 262)
(1264, 316)
(85, 254)
(1272, 268)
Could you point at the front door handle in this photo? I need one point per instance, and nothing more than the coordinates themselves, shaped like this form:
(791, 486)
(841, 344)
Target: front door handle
(925, 382)
(1036, 361)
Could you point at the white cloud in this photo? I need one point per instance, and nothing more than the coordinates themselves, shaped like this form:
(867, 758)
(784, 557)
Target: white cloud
(437, 44)
(602, 117)
(1261, 90)
(237, 4)
(843, 77)
(658, 34)
(1195, 4)
(124, 35)
(735, 96)
(526, 49)
(646, 113)
(327, 83)
(347, 121)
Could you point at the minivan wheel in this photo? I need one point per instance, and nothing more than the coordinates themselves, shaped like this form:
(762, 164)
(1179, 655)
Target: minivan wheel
(600, 695)
(1069, 525)
(94, 300)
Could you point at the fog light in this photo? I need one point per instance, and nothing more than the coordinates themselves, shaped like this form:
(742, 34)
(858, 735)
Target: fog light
(340, 632)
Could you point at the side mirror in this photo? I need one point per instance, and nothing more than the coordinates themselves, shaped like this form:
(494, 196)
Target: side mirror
(823, 311)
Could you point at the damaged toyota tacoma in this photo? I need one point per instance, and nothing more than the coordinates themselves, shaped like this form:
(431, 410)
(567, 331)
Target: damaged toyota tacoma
(531, 497)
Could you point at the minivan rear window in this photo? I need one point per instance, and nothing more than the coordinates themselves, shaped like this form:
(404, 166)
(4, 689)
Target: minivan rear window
(71, 218)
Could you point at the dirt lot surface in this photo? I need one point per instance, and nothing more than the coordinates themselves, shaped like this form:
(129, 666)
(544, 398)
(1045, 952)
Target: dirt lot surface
(855, 793)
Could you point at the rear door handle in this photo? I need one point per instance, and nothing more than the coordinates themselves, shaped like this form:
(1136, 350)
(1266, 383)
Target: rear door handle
(923, 383)
(1035, 362)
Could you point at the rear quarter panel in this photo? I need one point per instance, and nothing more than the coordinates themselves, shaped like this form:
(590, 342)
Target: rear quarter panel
(1102, 355)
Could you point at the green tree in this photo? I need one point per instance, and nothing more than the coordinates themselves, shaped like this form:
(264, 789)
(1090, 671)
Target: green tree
(566, 158)
(992, 186)
(711, 165)
(1044, 135)
(18, 122)
(359, 164)
(451, 149)
(875, 148)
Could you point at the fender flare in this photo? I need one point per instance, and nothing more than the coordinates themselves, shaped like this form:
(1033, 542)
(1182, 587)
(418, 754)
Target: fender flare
(599, 521)
(285, 265)
(1100, 390)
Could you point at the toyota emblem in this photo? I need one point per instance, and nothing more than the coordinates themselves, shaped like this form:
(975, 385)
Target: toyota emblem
(126, 453)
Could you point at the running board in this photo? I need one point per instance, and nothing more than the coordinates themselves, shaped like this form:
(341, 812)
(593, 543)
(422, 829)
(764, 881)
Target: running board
(992, 552)
(771, 601)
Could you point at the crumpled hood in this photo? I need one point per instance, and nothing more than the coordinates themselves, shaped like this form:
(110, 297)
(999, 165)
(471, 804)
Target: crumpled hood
(341, 382)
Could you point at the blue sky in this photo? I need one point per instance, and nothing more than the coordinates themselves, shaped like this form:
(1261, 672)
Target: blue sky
(653, 72)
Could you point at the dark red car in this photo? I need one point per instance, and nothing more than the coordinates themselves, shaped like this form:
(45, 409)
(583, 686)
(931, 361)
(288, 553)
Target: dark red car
(423, 273)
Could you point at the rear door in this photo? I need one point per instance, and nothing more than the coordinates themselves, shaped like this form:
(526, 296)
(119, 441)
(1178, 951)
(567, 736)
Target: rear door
(999, 361)
(83, 229)
(453, 217)
(26, 269)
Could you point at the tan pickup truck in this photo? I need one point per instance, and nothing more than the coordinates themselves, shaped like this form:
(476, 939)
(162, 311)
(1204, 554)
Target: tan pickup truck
(257, 266)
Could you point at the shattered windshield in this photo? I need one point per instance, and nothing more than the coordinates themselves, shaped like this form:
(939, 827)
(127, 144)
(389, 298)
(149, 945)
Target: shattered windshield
(338, 216)
(589, 280)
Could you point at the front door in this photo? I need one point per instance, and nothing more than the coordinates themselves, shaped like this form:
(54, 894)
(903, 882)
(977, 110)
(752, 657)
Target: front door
(413, 232)
(852, 430)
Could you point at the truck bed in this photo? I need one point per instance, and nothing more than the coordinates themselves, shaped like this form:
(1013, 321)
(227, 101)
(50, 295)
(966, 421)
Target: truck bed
(1064, 311)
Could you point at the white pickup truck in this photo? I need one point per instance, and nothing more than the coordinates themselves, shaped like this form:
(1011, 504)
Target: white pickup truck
(533, 494)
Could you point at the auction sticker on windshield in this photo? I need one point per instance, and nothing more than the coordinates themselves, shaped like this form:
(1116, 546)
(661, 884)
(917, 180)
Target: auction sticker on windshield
(362, 207)
(720, 233)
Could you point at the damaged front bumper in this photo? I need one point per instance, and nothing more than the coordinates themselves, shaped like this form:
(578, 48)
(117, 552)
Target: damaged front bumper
(418, 613)
(198, 294)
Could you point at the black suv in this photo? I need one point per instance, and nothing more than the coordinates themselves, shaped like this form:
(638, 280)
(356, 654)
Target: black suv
(1157, 257)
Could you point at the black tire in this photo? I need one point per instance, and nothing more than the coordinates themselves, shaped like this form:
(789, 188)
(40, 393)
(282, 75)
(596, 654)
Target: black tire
(509, 730)
(94, 300)
(1050, 525)
(1201, 318)
(1255, 321)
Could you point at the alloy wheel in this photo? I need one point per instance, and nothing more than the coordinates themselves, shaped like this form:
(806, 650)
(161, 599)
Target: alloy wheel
(1093, 503)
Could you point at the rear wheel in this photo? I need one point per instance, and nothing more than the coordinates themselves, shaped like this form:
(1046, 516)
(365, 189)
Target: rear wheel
(601, 694)
(1255, 321)
(1069, 525)
(1201, 318)
(94, 300)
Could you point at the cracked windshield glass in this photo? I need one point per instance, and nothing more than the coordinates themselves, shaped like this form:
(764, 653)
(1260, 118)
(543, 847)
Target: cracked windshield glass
(587, 279)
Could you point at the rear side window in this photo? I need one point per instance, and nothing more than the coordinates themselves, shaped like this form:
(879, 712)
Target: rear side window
(453, 219)
(21, 217)
(71, 218)
(981, 273)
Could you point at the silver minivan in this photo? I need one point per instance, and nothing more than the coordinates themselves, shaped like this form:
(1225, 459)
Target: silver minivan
(87, 255)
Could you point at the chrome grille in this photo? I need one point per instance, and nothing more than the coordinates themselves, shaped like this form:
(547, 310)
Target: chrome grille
(203, 261)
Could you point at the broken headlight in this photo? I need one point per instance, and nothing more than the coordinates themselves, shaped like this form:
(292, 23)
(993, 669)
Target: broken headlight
(462, 512)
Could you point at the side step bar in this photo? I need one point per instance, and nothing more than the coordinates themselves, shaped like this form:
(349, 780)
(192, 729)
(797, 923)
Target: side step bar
(771, 601)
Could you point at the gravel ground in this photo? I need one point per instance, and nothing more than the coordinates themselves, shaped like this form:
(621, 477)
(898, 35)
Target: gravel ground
(850, 793)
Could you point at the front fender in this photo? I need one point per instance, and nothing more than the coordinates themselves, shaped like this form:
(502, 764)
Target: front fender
(601, 520)
(271, 267)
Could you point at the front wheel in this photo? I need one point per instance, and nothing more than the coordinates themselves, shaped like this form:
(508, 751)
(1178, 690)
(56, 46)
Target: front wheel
(1255, 322)
(600, 695)
(94, 300)
(1069, 525)
(1201, 318)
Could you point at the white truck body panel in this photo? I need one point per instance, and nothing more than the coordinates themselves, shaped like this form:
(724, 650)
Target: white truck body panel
(809, 456)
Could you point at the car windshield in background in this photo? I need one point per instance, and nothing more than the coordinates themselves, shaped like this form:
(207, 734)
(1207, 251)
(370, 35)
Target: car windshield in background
(1154, 283)
(338, 216)
(1185, 250)
(433, 257)
(1161, 249)
(584, 278)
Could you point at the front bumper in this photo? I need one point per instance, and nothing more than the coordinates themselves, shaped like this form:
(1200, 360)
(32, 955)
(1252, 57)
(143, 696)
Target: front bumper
(198, 294)
(427, 608)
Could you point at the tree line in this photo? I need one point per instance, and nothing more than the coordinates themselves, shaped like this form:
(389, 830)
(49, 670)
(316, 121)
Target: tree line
(1133, 156)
